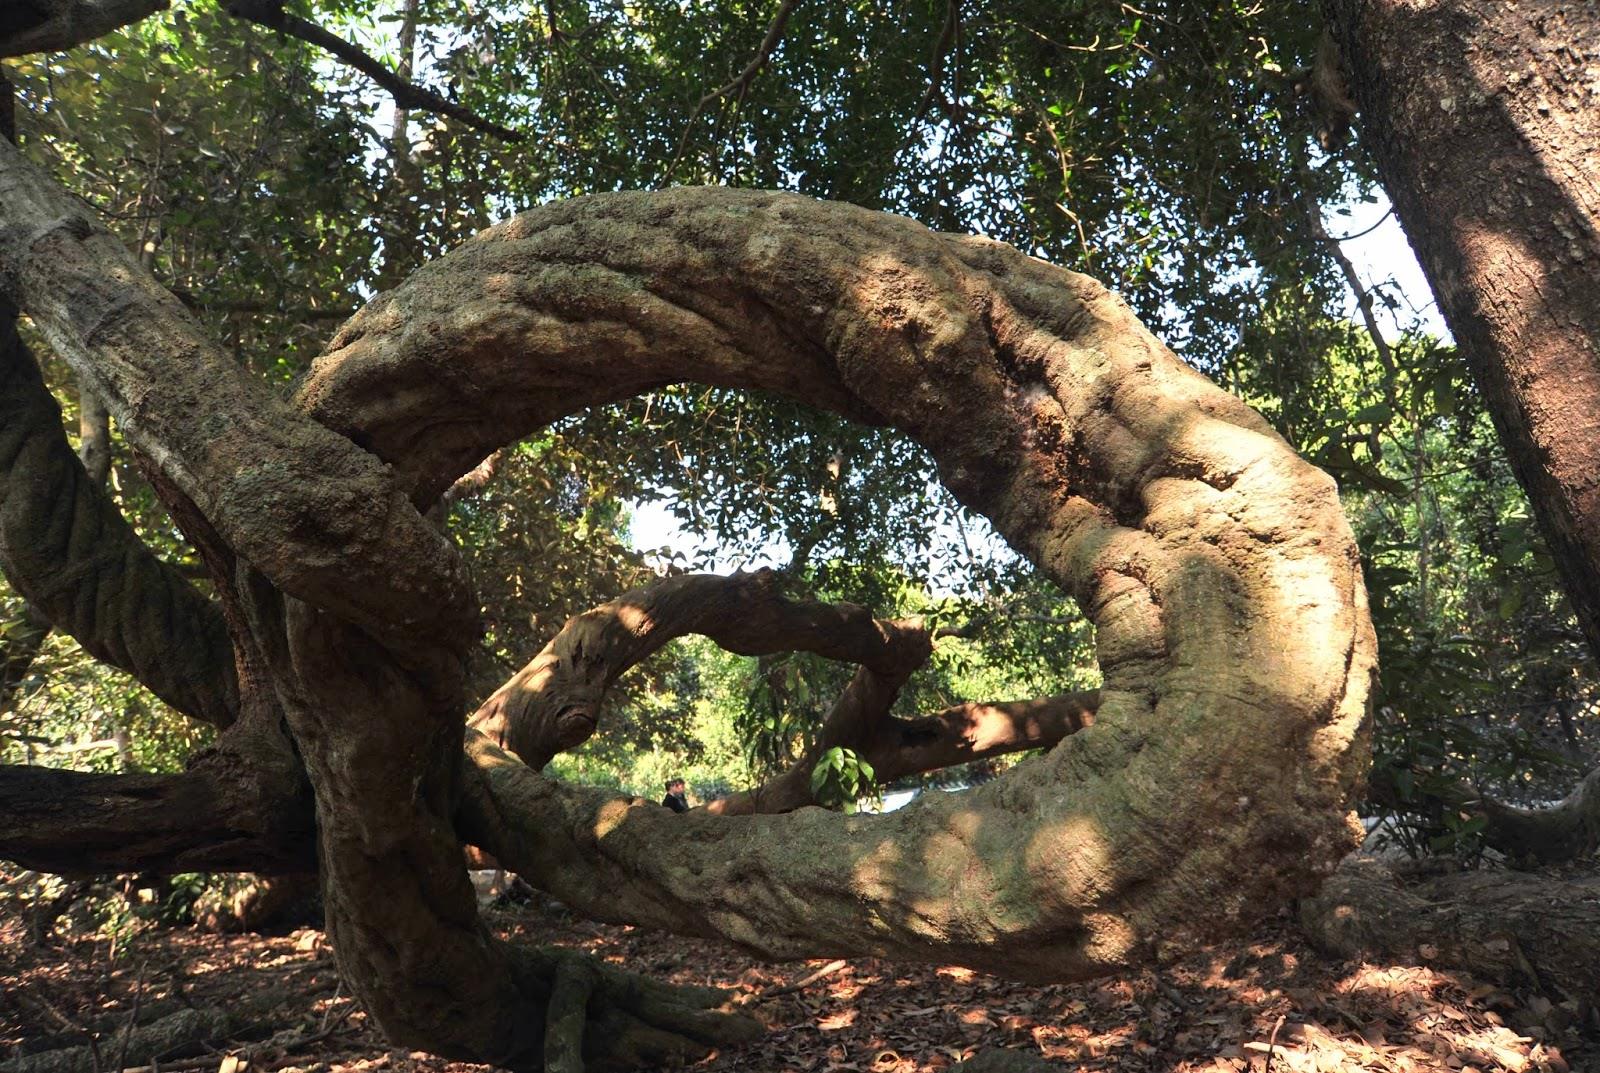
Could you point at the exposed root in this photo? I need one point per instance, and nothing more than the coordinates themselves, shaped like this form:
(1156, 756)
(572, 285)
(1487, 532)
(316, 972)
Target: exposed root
(599, 1017)
(1514, 928)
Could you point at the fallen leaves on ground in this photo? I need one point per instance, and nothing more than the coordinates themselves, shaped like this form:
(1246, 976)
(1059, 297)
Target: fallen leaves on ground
(1270, 1002)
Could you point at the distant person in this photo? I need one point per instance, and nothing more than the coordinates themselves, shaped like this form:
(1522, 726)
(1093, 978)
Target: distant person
(675, 799)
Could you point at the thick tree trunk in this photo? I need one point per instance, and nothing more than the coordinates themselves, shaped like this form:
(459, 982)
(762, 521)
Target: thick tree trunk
(1508, 232)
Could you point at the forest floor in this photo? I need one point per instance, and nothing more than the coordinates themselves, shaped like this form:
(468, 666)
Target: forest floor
(1269, 1003)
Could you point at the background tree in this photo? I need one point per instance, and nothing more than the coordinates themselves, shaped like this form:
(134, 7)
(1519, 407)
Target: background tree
(1509, 237)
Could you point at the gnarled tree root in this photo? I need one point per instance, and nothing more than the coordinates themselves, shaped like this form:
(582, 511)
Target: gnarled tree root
(1516, 928)
(599, 1017)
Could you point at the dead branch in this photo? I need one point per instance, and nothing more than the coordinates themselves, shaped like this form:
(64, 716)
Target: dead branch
(801, 984)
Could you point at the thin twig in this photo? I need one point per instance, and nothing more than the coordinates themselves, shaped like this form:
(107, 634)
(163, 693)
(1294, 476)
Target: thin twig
(804, 982)
(1272, 1043)
(1363, 298)
(941, 49)
(270, 13)
(133, 1017)
(740, 84)
(1365, 231)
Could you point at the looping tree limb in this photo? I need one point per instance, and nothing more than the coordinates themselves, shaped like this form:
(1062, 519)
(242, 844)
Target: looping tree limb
(1216, 567)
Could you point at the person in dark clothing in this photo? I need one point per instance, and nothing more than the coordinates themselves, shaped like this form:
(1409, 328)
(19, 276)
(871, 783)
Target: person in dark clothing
(675, 800)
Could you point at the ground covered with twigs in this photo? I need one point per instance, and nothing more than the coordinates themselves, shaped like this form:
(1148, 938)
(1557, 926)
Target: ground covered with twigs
(268, 1003)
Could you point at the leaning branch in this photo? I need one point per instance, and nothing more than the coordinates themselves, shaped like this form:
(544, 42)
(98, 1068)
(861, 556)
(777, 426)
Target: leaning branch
(57, 25)
(325, 521)
(218, 816)
(406, 94)
(1553, 834)
(66, 548)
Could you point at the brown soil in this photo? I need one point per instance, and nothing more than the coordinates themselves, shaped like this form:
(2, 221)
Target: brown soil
(1266, 1003)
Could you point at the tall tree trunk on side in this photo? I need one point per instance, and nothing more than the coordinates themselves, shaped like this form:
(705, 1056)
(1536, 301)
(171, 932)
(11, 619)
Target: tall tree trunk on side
(1484, 118)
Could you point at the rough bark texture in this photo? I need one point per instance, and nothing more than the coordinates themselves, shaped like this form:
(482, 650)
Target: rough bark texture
(54, 25)
(320, 518)
(218, 816)
(975, 731)
(67, 550)
(1508, 233)
(1217, 567)
(1510, 927)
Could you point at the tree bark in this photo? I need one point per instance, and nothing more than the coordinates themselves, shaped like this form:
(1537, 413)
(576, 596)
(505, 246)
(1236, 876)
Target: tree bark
(219, 816)
(1508, 232)
(28, 26)
(1513, 928)
(66, 548)
(1566, 830)
(319, 517)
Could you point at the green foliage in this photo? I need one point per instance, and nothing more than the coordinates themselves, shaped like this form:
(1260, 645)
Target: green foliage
(841, 778)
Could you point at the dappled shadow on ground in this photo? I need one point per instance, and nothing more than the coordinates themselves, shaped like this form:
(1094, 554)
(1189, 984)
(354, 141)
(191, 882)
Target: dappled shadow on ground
(1228, 1010)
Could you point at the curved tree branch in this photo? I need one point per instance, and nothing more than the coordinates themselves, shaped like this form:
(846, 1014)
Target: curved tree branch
(1216, 566)
(1552, 834)
(67, 549)
(321, 518)
(553, 703)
